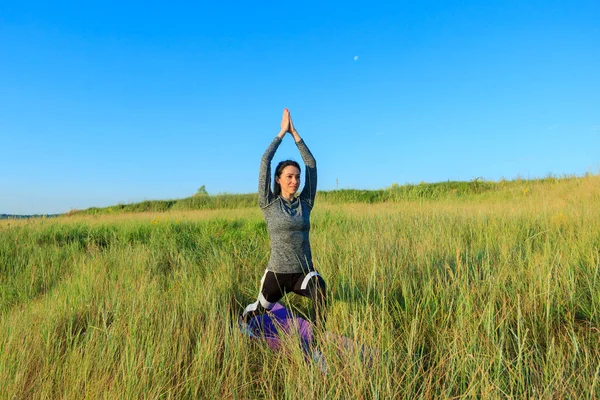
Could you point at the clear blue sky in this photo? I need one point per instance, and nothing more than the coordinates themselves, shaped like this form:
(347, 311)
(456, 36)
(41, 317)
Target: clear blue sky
(116, 102)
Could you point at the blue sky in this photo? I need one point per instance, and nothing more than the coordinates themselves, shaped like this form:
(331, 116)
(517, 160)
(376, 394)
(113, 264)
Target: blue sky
(116, 102)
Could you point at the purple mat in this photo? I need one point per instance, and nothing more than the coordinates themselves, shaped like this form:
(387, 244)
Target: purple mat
(279, 325)
(279, 322)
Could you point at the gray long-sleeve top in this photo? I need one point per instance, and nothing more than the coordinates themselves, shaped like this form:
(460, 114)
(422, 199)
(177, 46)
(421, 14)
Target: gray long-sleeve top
(288, 222)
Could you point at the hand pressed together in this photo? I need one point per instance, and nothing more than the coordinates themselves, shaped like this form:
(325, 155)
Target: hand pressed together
(287, 126)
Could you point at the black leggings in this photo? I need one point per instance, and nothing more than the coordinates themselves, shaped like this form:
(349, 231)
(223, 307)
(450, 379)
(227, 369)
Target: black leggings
(273, 286)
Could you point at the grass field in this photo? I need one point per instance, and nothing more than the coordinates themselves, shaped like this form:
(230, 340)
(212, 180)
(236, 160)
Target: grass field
(491, 294)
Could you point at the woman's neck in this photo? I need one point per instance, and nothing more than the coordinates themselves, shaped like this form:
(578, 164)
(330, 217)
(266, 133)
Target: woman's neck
(288, 196)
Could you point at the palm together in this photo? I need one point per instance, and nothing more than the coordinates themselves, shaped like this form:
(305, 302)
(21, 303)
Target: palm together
(287, 126)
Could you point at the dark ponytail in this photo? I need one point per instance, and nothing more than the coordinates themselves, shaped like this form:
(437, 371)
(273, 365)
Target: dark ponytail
(278, 171)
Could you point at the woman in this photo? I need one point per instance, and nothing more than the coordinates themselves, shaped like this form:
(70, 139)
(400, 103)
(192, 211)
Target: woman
(290, 267)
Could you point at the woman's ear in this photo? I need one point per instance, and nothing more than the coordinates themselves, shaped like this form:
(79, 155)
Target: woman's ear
(277, 179)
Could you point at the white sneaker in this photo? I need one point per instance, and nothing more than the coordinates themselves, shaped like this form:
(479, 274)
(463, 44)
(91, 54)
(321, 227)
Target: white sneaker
(319, 359)
(245, 328)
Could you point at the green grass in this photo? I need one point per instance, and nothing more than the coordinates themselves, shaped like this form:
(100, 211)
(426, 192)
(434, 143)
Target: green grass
(491, 292)
(421, 192)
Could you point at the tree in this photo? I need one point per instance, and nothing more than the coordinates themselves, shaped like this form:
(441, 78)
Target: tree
(201, 191)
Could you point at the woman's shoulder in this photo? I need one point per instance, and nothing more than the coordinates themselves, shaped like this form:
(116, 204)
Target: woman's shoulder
(275, 200)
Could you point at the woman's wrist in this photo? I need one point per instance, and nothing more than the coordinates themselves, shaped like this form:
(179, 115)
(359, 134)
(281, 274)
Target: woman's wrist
(297, 137)
(281, 134)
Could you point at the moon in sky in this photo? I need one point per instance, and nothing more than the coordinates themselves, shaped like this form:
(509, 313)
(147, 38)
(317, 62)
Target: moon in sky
(355, 58)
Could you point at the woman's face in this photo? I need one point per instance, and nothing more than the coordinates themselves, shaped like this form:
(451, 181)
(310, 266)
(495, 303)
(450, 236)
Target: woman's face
(289, 180)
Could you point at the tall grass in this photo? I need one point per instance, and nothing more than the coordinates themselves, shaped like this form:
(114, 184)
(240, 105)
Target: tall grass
(493, 294)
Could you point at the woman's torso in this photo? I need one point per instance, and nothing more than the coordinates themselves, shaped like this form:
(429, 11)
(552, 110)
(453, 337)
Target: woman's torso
(288, 224)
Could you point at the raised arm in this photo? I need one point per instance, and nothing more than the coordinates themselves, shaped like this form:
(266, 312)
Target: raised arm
(265, 195)
(310, 181)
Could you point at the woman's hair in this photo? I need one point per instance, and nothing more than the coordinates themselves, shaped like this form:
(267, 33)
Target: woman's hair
(278, 171)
